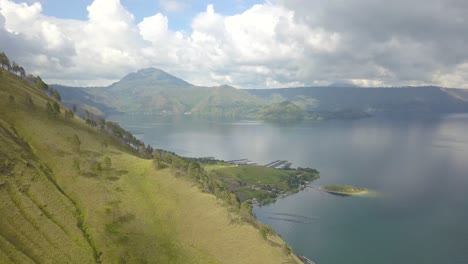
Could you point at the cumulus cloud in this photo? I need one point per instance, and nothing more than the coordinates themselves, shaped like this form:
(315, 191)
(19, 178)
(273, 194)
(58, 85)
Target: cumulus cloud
(275, 44)
(392, 42)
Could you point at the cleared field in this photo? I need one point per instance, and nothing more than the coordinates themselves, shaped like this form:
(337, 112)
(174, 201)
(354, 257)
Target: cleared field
(254, 174)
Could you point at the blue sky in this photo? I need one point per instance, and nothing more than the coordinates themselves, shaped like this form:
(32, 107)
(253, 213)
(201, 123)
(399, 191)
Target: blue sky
(178, 20)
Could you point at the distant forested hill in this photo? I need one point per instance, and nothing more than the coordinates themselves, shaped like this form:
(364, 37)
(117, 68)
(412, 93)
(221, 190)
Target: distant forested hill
(401, 100)
(154, 91)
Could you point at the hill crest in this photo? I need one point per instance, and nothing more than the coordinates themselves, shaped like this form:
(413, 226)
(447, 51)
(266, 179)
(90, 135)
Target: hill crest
(147, 77)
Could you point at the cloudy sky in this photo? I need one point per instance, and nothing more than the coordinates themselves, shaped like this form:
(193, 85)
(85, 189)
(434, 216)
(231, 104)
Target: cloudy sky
(244, 43)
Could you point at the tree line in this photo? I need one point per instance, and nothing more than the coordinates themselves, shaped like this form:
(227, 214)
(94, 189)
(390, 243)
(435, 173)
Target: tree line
(19, 71)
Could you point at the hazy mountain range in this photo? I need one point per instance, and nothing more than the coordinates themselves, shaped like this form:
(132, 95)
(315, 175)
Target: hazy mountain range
(153, 90)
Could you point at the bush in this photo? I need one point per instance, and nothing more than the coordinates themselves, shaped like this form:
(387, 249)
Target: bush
(28, 102)
(266, 230)
(107, 162)
(69, 114)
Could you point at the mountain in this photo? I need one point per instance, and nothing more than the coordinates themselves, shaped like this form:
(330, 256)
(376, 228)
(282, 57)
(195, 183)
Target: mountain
(376, 101)
(343, 85)
(74, 192)
(150, 78)
(155, 91)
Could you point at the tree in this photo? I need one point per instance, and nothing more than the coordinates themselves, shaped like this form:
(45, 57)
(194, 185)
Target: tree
(266, 230)
(142, 151)
(156, 154)
(56, 95)
(49, 108)
(96, 166)
(287, 250)
(15, 67)
(76, 165)
(233, 201)
(28, 102)
(4, 61)
(56, 107)
(246, 211)
(69, 114)
(22, 72)
(41, 84)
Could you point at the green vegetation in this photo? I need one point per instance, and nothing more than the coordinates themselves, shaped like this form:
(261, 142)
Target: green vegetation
(155, 91)
(344, 189)
(76, 191)
(259, 183)
(284, 111)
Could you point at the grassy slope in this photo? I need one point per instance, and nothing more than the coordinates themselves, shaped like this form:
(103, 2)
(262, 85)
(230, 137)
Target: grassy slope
(130, 213)
(252, 173)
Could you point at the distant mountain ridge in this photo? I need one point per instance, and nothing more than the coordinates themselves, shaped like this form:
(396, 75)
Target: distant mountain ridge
(397, 100)
(155, 91)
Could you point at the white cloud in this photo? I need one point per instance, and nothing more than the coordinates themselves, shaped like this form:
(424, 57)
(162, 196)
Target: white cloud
(172, 5)
(154, 28)
(269, 45)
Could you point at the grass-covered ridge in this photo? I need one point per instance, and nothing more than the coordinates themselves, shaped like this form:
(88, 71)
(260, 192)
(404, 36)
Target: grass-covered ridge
(72, 193)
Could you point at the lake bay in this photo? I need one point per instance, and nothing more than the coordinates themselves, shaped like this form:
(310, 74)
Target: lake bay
(417, 171)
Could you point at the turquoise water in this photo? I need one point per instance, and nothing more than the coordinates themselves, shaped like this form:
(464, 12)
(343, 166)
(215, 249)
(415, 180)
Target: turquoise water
(418, 168)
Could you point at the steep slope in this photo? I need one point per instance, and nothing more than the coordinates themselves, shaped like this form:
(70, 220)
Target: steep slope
(70, 193)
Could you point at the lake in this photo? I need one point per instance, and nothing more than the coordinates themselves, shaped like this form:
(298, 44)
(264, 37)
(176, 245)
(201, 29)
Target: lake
(416, 169)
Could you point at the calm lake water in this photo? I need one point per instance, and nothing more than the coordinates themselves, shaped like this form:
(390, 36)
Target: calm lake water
(418, 170)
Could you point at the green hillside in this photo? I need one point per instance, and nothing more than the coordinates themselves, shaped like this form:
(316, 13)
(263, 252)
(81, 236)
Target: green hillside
(155, 91)
(71, 192)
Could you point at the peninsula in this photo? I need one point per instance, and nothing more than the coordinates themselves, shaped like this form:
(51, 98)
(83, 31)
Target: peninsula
(344, 190)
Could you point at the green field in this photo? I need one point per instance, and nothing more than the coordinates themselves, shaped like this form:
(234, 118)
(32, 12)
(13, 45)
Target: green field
(260, 182)
(97, 201)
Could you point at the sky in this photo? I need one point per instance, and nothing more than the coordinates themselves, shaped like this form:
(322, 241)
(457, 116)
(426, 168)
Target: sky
(243, 43)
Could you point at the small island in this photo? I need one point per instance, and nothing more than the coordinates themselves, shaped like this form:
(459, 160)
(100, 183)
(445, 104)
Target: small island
(344, 190)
